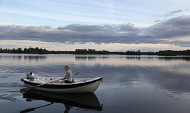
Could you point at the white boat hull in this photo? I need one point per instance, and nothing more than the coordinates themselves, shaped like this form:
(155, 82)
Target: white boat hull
(89, 86)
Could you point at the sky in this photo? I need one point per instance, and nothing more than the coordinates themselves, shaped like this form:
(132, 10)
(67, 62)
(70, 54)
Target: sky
(113, 25)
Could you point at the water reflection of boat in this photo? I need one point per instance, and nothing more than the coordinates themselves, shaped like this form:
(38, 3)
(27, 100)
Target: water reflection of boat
(83, 100)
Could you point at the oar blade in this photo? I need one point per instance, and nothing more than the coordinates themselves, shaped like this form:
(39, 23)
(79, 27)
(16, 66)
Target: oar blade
(76, 73)
(27, 89)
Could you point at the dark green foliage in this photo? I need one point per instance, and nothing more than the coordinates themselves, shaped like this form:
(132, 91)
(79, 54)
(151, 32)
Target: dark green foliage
(26, 50)
(166, 53)
(90, 51)
(131, 53)
(173, 53)
(93, 51)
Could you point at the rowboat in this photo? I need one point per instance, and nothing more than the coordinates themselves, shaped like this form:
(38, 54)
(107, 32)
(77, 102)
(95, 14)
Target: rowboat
(80, 100)
(80, 85)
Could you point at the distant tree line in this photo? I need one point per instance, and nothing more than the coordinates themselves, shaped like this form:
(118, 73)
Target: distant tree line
(160, 53)
(44, 51)
(90, 51)
(131, 53)
(25, 50)
(37, 50)
(173, 53)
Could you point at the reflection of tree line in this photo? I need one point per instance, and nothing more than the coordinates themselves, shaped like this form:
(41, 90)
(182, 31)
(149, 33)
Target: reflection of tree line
(161, 58)
(132, 58)
(30, 58)
(174, 58)
(89, 57)
(35, 58)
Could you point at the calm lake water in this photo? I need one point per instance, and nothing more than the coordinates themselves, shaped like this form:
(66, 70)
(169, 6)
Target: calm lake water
(131, 84)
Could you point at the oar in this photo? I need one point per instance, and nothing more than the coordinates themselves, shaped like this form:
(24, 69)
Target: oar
(32, 87)
(32, 109)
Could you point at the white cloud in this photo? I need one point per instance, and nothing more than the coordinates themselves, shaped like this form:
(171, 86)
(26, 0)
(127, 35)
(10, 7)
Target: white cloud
(90, 45)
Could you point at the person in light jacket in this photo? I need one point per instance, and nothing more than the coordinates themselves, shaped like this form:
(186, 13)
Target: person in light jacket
(68, 76)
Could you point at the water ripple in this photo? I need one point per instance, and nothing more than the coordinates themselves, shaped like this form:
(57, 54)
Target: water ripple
(9, 98)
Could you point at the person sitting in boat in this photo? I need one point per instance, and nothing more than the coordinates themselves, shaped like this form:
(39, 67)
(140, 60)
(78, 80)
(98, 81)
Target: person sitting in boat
(68, 76)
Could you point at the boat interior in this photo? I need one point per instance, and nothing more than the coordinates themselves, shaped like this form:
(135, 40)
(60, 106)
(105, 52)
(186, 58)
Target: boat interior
(42, 80)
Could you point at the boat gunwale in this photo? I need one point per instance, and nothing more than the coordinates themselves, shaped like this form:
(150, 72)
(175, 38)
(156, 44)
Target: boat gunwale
(63, 86)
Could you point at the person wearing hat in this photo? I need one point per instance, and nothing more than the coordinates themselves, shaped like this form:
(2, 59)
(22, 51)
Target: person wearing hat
(68, 76)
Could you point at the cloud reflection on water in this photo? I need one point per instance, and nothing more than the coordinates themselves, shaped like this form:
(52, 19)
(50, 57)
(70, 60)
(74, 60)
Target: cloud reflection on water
(91, 60)
(144, 79)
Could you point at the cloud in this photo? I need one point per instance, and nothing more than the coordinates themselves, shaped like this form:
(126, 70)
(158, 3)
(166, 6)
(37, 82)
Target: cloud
(71, 33)
(103, 46)
(172, 28)
(173, 13)
(173, 31)
(161, 18)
